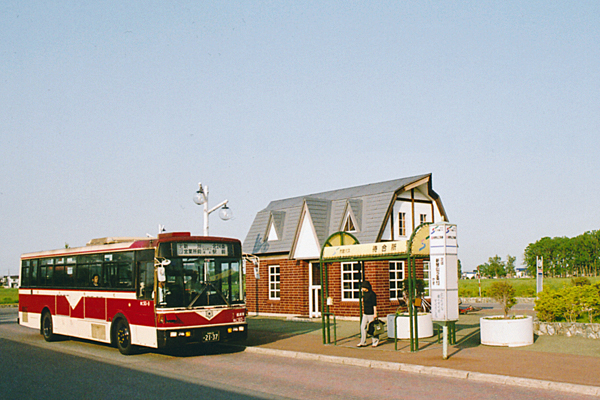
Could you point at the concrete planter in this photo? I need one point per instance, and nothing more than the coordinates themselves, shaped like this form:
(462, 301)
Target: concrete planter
(513, 332)
(424, 323)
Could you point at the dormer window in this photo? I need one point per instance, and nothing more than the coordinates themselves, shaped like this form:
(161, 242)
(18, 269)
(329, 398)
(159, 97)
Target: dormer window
(351, 216)
(272, 233)
(349, 224)
(275, 226)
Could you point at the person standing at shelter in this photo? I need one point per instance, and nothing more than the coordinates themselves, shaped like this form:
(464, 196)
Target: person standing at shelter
(369, 313)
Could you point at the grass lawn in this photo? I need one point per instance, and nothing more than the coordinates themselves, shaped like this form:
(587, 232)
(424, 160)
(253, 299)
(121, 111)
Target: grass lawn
(524, 287)
(9, 296)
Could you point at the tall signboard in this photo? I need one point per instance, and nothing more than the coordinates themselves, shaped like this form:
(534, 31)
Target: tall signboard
(539, 274)
(443, 272)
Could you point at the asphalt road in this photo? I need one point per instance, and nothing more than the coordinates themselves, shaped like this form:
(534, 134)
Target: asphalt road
(76, 369)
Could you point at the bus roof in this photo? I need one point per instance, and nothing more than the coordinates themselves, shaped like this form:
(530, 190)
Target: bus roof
(95, 246)
(114, 243)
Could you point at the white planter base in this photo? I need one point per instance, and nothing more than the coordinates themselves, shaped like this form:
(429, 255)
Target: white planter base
(424, 324)
(495, 331)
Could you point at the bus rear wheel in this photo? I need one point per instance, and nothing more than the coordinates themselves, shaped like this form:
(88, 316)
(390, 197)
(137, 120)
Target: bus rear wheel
(47, 331)
(123, 334)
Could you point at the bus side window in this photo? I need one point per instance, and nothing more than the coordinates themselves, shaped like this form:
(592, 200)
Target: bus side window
(96, 269)
(25, 273)
(46, 271)
(34, 274)
(82, 275)
(59, 275)
(70, 272)
(125, 274)
(146, 280)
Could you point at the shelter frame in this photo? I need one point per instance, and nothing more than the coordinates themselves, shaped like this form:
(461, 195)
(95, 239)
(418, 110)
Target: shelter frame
(343, 246)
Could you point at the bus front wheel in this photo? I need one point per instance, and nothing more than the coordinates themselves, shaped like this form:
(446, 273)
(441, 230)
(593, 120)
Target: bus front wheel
(47, 332)
(124, 338)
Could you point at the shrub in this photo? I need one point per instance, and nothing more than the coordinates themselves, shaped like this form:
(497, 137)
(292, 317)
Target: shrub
(569, 303)
(503, 293)
(572, 307)
(580, 281)
(549, 306)
(590, 302)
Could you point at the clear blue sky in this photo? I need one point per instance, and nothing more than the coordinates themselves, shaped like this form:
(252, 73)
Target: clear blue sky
(112, 112)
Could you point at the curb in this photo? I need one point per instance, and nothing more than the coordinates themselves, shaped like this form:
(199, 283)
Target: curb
(433, 371)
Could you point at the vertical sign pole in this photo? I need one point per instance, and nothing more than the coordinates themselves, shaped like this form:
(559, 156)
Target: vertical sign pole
(479, 280)
(256, 278)
(445, 346)
(540, 273)
(443, 250)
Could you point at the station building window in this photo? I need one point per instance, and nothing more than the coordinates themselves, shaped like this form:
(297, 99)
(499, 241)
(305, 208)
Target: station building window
(274, 282)
(396, 278)
(351, 275)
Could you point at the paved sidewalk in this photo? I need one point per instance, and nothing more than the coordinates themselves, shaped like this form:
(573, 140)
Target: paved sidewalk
(552, 362)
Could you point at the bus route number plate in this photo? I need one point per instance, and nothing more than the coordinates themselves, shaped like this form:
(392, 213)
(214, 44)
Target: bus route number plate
(212, 336)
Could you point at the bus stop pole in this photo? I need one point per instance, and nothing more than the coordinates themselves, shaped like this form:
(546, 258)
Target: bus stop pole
(416, 311)
(410, 307)
(445, 345)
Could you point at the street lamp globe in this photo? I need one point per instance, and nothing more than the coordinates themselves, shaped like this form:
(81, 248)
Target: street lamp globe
(199, 198)
(225, 213)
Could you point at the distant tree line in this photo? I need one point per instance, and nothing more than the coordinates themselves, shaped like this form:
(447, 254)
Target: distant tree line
(563, 257)
(496, 268)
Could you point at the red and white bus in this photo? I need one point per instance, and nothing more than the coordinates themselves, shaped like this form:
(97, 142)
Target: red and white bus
(155, 292)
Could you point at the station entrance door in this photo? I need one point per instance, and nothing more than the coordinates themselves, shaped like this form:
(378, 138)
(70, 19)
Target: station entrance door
(314, 289)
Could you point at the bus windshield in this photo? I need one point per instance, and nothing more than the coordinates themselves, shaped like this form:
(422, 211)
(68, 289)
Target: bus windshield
(201, 281)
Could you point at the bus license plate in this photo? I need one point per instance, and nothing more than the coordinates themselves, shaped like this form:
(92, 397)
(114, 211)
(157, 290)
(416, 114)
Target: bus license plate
(211, 336)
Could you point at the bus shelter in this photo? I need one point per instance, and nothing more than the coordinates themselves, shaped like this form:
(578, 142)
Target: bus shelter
(344, 247)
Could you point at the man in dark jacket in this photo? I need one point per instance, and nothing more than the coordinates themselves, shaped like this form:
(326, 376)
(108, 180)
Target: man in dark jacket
(369, 313)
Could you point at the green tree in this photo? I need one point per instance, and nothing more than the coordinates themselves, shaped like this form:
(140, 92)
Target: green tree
(503, 293)
(509, 266)
(578, 256)
(494, 268)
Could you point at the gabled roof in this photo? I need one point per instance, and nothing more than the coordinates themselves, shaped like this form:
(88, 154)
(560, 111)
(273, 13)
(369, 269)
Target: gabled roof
(370, 205)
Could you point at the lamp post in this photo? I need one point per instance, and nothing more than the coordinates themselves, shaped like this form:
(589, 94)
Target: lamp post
(201, 198)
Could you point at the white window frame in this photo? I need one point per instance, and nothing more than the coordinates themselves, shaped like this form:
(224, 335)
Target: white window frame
(350, 273)
(274, 282)
(349, 225)
(397, 268)
(426, 278)
(402, 224)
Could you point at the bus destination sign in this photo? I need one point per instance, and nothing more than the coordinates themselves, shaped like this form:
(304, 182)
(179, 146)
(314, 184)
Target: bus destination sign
(202, 249)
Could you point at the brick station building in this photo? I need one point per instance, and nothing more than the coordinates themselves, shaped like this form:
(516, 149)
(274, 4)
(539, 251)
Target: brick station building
(288, 235)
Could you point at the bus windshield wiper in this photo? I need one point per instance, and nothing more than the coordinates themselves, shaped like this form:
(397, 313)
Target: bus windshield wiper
(198, 296)
(220, 294)
(207, 285)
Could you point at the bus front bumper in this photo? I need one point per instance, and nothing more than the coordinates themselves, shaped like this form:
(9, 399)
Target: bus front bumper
(215, 334)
